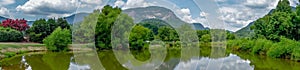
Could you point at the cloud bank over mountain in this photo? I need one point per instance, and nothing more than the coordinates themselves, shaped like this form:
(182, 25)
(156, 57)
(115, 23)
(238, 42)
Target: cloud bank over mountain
(235, 13)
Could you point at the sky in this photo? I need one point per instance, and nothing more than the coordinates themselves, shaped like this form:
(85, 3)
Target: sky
(235, 14)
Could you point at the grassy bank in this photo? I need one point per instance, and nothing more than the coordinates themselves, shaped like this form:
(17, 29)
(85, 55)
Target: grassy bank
(285, 48)
(19, 45)
(11, 49)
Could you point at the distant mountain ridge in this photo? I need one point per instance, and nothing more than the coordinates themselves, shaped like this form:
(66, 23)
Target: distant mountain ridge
(70, 19)
(156, 12)
(199, 26)
(2, 18)
(139, 14)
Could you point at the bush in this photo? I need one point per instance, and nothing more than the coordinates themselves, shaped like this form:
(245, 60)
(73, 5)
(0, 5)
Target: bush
(283, 49)
(10, 35)
(58, 40)
(296, 54)
(139, 36)
(41, 28)
(206, 38)
(9, 54)
(261, 46)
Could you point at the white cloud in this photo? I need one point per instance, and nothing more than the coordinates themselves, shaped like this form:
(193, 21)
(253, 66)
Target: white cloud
(6, 2)
(221, 0)
(58, 15)
(119, 3)
(203, 14)
(136, 3)
(294, 2)
(48, 7)
(185, 14)
(91, 1)
(3, 11)
(237, 17)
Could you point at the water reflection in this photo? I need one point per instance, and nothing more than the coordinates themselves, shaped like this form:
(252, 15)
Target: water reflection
(65, 61)
(232, 62)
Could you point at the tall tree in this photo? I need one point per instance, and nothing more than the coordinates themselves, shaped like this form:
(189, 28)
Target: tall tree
(138, 37)
(283, 6)
(105, 22)
(166, 33)
(84, 32)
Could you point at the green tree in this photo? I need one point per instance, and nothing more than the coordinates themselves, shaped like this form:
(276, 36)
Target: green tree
(166, 33)
(206, 38)
(104, 25)
(39, 30)
(42, 28)
(283, 6)
(62, 22)
(10, 35)
(153, 24)
(58, 40)
(230, 36)
(84, 32)
(200, 33)
(275, 25)
(296, 22)
(139, 36)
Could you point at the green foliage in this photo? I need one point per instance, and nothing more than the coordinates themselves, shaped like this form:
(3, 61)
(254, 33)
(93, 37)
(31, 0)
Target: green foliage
(200, 33)
(282, 22)
(106, 19)
(9, 54)
(39, 30)
(10, 35)
(205, 38)
(296, 53)
(139, 36)
(283, 49)
(261, 46)
(84, 32)
(275, 25)
(230, 36)
(42, 28)
(58, 40)
(283, 6)
(154, 24)
(167, 34)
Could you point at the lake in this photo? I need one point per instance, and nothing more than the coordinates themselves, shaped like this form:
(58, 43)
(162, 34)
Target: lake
(172, 61)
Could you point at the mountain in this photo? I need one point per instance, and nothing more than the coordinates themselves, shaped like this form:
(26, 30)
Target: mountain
(79, 17)
(2, 18)
(246, 31)
(156, 12)
(199, 26)
(70, 19)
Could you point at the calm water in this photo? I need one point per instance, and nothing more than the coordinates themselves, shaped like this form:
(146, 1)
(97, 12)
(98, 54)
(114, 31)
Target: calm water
(66, 61)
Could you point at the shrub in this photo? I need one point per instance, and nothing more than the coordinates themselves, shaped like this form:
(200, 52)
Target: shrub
(58, 40)
(139, 36)
(296, 54)
(9, 54)
(10, 35)
(18, 24)
(206, 38)
(41, 28)
(282, 49)
(261, 46)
